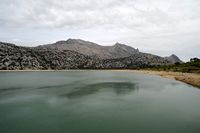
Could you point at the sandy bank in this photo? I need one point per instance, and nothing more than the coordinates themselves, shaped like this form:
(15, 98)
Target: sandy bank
(189, 78)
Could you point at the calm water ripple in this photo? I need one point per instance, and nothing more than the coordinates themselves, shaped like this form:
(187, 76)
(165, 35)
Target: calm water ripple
(96, 102)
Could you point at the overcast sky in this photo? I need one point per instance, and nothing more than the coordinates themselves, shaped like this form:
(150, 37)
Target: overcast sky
(161, 27)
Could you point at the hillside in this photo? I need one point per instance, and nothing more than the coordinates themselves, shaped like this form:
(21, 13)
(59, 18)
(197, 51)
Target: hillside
(92, 49)
(193, 66)
(75, 54)
(174, 59)
(14, 57)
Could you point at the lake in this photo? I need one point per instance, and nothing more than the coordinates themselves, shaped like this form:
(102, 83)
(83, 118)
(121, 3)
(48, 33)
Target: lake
(96, 102)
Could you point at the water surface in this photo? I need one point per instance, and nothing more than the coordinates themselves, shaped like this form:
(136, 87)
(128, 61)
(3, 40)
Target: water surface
(96, 102)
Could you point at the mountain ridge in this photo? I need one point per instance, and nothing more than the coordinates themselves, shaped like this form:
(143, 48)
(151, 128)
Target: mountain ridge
(92, 49)
(70, 55)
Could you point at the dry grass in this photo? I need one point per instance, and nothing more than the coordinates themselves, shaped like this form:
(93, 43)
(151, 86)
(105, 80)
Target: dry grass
(189, 78)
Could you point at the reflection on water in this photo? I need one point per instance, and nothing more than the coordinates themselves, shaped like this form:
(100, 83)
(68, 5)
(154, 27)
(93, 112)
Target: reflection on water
(52, 86)
(96, 102)
(118, 87)
(10, 89)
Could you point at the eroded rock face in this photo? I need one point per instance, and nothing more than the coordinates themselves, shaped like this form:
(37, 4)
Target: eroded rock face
(173, 59)
(14, 57)
(92, 49)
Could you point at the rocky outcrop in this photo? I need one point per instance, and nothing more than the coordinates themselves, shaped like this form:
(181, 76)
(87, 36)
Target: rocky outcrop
(173, 59)
(92, 49)
(14, 57)
(138, 60)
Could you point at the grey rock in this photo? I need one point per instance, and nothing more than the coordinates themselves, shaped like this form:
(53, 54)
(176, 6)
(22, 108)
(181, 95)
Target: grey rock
(173, 59)
(92, 49)
(75, 54)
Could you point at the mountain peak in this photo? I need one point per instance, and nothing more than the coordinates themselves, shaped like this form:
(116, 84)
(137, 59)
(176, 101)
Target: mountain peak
(173, 55)
(174, 59)
(70, 40)
(119, 44)
(126, 48)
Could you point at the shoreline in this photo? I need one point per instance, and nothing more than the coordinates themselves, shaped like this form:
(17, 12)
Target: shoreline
(189, 78)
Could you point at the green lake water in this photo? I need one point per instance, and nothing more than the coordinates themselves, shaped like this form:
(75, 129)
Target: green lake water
(96, 102)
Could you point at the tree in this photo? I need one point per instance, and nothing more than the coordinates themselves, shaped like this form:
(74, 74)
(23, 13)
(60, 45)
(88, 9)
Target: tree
(194, 59)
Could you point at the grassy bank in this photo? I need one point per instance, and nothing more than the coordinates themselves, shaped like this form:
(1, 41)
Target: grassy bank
(188, 72)
(193, 66)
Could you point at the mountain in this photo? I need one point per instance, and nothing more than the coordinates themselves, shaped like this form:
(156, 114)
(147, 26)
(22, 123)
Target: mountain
(75, 54)
(14, 57)
(92, 49)
(173, 59)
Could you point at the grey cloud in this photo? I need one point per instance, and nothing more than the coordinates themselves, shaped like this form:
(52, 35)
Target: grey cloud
(89, 13)
(77, 13)
(147, 24)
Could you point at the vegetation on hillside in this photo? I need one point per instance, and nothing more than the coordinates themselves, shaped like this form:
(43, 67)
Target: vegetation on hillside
(193, 66)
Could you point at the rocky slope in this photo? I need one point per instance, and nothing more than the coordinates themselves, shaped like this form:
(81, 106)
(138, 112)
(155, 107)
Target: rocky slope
(173, 59)
(92, 49)
(59, 56)
(13, 57)
(139, 60)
